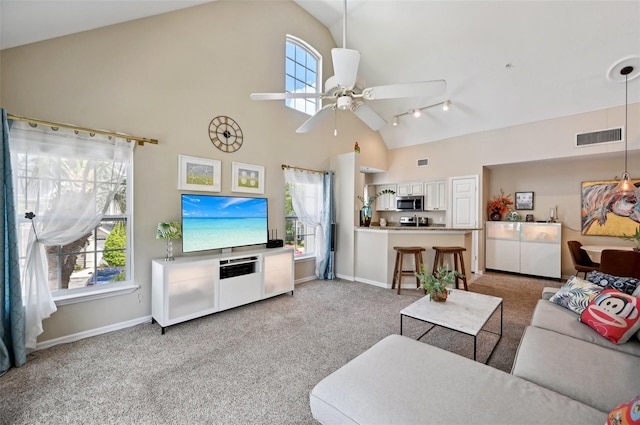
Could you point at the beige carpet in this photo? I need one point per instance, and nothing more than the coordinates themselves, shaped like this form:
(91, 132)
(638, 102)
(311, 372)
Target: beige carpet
(252, 364)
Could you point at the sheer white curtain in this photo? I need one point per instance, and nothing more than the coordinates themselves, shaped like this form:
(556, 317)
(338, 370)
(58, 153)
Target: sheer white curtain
(68, 181)
(306, 189)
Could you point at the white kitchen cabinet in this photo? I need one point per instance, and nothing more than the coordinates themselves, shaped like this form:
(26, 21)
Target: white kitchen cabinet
(527, 248)
(191, 287)
(387, 201)
(435, 195)
(410, 189)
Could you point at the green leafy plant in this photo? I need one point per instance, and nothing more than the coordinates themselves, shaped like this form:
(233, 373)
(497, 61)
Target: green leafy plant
(436, 283)
(371, 199)
(634, 238)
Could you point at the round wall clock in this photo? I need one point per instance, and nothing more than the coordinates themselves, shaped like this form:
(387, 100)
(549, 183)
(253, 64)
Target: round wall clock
(225, 134)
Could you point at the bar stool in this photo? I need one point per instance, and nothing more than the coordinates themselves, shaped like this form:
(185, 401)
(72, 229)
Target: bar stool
(458, 261)
(416, 251)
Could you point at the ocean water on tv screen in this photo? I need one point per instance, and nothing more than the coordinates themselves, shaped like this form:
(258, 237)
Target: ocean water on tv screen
(201, 234)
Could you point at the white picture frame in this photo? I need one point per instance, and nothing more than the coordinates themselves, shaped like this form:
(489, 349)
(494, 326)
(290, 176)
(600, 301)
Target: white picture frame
(247, 178)
(200, 174)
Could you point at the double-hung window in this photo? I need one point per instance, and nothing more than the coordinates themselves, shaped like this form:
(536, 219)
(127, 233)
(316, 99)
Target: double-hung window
(99, 256)
(302, 74)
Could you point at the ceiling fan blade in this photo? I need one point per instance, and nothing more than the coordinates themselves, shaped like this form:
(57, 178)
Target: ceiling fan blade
(369, 117)
(309, 124)
(395, 91)
(345, 66)
(282, 96)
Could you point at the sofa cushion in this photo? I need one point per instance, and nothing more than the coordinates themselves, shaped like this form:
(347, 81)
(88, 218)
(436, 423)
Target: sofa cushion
(614, 315)
(550, 316)
(621, 283)
(626, 413)
(588, 373)
(576, 294)
(403, 381)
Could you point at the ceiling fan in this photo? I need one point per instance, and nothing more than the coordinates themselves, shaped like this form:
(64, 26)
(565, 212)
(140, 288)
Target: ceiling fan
(341, 89)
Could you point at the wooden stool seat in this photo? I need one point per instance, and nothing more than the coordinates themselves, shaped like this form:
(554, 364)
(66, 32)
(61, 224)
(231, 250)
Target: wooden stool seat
(398, 272)
(458, 261)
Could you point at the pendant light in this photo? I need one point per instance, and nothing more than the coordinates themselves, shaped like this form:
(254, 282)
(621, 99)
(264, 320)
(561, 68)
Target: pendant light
(625, 185)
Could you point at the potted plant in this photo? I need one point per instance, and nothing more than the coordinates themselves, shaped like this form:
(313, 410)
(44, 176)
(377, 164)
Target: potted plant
(366, 212)
(634, 238)
(435, 284)
(499, 206)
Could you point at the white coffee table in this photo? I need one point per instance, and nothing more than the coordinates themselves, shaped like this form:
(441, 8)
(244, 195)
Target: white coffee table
(464, 311)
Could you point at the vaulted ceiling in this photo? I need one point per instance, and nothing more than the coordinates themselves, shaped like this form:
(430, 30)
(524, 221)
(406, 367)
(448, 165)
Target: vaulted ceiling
(505, 62)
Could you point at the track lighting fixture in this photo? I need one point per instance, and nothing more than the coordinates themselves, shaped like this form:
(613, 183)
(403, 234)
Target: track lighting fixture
(418, 111)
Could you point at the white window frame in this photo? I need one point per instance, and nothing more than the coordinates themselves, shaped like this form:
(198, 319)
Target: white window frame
(87, 293)
(304, 105)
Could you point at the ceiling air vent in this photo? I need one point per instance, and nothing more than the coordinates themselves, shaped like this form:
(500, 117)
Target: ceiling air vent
(423, 162)
(597, 137)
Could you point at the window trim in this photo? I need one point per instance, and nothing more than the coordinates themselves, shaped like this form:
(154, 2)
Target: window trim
(313, 52)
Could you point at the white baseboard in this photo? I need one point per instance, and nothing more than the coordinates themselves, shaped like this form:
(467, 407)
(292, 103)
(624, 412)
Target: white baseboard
(305, 279)
(344, 277)
(92, 332)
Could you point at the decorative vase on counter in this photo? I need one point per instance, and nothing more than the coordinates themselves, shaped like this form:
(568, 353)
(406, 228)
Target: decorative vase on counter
(365, 216)
(495, 216)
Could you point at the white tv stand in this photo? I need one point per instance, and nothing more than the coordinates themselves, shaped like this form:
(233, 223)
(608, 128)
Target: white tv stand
(191, 287)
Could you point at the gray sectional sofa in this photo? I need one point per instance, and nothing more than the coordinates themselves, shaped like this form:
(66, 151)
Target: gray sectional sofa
(564, 372)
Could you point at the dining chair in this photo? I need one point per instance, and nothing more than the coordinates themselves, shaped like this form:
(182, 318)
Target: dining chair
(620, 263)
(581, 260)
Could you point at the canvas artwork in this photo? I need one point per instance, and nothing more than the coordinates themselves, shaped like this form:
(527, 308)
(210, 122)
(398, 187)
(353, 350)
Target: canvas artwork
(607, 212)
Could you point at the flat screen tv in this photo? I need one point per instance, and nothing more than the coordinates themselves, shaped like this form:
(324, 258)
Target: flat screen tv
(220, 222)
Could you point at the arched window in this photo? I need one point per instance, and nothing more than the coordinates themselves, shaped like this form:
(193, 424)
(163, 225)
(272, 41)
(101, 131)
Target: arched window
(303, 66)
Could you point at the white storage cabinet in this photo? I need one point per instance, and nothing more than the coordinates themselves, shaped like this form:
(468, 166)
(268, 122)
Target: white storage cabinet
(386, 202)
(410, 189)
(435, 195)
(527, 248)
(191, 287)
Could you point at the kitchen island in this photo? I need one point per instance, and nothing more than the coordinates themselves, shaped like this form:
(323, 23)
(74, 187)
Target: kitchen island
(375, 256)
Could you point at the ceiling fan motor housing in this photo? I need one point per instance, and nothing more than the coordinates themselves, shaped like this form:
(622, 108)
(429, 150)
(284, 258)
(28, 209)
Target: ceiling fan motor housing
(344, 102)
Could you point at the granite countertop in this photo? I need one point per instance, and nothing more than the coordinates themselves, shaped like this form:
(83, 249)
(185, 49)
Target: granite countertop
(419, 228)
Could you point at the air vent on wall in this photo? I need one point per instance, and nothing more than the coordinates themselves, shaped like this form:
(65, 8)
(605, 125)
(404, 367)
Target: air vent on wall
(597, 137)
(423, 162)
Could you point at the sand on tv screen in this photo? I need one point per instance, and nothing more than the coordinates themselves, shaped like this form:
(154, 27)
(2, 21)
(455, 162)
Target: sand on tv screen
(215, 222)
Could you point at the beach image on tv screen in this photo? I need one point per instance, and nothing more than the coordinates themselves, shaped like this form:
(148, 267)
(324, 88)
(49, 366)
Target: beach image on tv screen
(214, 222)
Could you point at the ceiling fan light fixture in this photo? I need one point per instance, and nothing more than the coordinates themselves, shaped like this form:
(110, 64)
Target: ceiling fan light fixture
(344, 102)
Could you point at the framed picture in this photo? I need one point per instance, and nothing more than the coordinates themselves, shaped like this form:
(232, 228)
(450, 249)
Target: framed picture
(524, 200)
(607, 212)
(247, 178)
(199, 173)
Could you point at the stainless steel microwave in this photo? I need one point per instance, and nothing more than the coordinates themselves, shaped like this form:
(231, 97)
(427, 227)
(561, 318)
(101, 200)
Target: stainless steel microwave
(409, 203)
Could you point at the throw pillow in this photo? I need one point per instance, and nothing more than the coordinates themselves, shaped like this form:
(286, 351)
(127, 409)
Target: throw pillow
(622, 284)
(625, 414)
(576, 294)
(614, 315)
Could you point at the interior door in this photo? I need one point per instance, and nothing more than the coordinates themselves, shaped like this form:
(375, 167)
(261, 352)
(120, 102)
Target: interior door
(464, 211)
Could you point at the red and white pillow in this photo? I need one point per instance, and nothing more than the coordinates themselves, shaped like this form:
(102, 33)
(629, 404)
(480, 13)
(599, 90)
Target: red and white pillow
(625, 414)
(614, 315)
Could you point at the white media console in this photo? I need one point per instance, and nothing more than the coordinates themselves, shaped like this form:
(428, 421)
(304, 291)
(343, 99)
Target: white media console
(191, 287)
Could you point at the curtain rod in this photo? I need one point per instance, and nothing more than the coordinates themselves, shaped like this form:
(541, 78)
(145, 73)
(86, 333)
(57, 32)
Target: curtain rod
(141, 140)
(303, 169)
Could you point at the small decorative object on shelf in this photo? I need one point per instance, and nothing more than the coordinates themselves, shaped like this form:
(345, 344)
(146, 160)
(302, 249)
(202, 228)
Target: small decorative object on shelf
(356, 147)
(513, 216)
(169, 231)
(366, 212)
(435, 284)
(499, 206)
(634, 238)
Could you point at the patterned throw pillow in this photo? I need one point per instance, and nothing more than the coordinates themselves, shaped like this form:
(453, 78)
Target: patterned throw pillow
(576, 294)
(622, 284)
(626, 414)
(614, 315)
